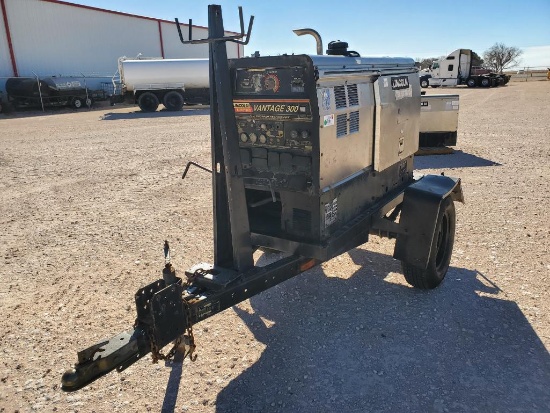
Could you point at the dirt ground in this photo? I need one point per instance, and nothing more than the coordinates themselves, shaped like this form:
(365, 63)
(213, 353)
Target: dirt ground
(87, 199)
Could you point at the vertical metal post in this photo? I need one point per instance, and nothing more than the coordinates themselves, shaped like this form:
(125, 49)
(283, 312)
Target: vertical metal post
(232, 244)
(39, 91)
(86, 89)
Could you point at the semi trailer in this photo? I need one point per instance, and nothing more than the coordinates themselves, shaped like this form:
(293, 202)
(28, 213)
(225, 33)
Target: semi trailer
(148, 82)
(311, 155)
(456, 69)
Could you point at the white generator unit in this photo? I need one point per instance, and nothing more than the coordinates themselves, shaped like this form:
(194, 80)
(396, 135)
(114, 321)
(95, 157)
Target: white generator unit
(438, 120)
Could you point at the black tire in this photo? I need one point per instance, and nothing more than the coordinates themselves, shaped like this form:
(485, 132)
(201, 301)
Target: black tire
(471, 83)
(88, 102)
(148, 102)
(485, 82)
(435, 86)
(440, 254)
(77, 103)
(173, 101)
(424, 83)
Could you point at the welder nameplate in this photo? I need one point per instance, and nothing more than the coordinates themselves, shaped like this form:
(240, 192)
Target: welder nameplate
(285, 108)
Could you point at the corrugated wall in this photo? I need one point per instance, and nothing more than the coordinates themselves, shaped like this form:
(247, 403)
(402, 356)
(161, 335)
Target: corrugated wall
(174, 49)
(52, 38)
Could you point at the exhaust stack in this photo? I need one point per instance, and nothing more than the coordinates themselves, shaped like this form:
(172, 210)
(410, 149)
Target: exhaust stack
(315, 34)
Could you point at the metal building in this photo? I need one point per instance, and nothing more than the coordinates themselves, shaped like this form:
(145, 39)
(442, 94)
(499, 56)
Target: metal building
(58, 38)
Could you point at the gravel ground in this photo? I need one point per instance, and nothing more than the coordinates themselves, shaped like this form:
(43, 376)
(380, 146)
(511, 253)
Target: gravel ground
(88, 198)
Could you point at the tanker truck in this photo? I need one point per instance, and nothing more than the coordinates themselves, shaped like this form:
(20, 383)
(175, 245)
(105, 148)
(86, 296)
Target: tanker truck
(456, 69)
(148, 82)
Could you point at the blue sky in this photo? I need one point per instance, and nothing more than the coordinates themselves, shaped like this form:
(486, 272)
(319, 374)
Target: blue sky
(414, 29)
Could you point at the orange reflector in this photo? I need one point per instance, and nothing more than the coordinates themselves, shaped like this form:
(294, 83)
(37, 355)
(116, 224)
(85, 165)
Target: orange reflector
(307, 265)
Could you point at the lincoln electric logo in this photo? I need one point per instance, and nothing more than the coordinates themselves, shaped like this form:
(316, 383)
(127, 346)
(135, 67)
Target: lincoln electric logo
(400, 82)
(242, 107)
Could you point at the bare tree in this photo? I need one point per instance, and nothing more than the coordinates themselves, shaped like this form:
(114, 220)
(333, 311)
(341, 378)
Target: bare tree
(500, 57)
(476, 60)
(426, 63)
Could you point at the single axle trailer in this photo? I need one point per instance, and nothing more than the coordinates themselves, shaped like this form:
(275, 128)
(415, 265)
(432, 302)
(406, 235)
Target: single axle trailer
(311, 154)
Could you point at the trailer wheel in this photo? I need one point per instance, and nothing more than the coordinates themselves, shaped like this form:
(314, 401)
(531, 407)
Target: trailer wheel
(77, 103)
(173, 101)
(471, 83)
(148, 102)
(485, 82)
(440, 254)
(424, 83)
(89, 102)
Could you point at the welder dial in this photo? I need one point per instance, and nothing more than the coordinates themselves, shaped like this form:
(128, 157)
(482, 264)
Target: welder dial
(271, 82)
(253, 137)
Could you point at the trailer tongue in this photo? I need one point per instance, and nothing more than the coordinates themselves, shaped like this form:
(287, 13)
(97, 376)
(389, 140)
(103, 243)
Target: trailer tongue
(310, 155)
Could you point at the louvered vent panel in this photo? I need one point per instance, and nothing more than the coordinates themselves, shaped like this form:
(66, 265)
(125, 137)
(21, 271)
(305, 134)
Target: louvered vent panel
(353, 98)
(354, 122)
(340, 96)
(341, 125)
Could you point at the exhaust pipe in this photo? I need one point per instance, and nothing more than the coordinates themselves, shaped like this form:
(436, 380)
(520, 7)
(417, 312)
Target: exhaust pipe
(315, 34)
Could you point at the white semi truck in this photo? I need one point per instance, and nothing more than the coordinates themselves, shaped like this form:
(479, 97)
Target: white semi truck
(172, 82)
(456, 69)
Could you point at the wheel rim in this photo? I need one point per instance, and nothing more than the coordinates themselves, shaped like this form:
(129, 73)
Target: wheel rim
(148, 102)
(77, 103)
(442, 242)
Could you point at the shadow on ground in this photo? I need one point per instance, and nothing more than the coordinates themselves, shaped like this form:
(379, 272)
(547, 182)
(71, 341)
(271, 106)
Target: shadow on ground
(160, 114)
(364, 344)
(458, 159)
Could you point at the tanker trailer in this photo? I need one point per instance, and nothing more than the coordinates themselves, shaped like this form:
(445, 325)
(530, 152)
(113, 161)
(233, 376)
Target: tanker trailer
(148, 82)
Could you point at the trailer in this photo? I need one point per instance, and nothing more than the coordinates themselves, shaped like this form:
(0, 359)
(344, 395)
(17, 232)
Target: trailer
(49, 92)
(148, 82)
(311, 155)
(456, 69)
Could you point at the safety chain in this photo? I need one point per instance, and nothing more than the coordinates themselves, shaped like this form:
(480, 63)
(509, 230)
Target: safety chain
(156, 354)
(190, 337)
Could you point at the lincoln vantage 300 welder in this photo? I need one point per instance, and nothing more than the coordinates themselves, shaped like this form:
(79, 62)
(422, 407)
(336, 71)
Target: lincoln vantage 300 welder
(310, 155)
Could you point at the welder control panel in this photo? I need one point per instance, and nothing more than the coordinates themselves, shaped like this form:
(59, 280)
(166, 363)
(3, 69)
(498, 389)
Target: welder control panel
(274, 121)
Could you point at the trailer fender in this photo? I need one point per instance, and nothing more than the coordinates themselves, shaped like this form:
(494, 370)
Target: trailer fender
(421, 204)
